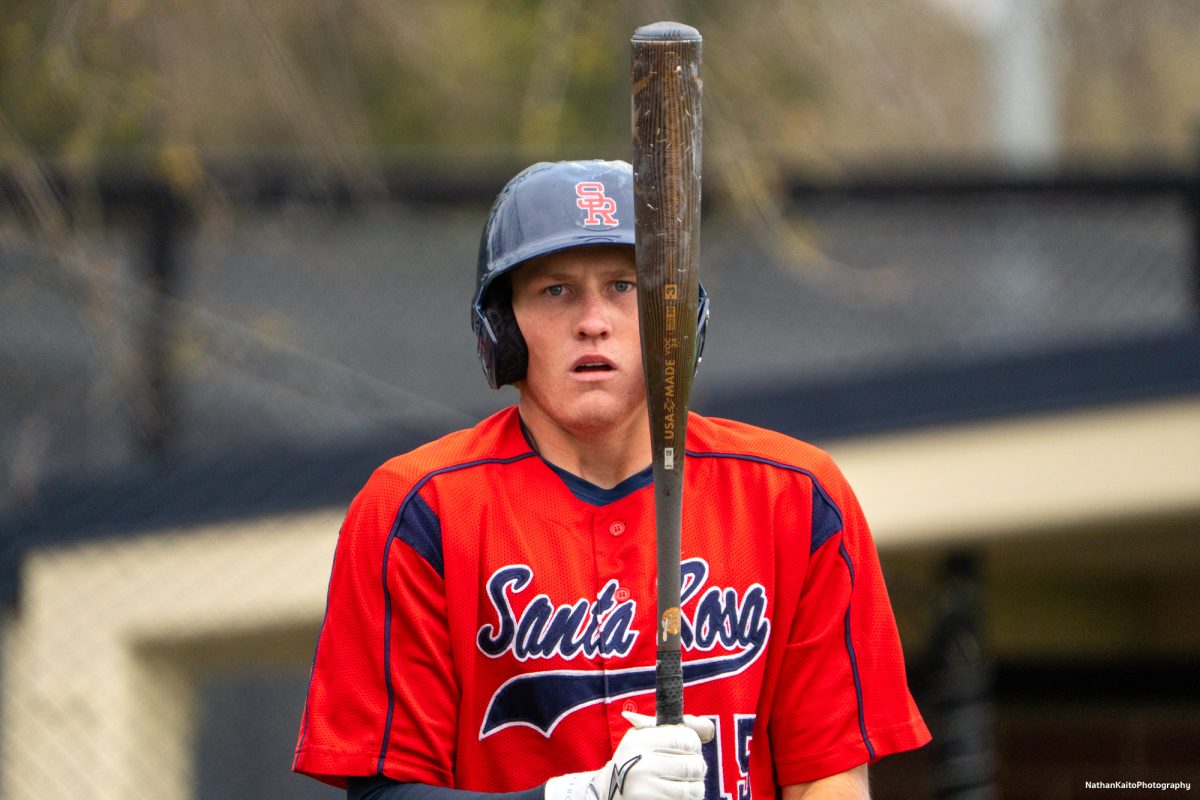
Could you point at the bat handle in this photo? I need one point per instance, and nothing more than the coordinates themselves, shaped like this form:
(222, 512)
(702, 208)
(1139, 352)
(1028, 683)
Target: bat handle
(668, 688)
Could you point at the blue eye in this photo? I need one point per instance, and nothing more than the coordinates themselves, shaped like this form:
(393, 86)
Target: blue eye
(555, 290)
(623, 286)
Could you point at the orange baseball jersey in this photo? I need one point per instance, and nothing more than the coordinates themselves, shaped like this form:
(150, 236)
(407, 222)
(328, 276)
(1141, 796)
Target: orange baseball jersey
(490, 615)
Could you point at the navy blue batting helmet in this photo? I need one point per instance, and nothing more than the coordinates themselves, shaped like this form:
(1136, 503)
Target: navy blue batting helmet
(546, 208)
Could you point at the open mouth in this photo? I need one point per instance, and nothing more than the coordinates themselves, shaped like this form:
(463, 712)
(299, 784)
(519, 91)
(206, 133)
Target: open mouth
(593, 366)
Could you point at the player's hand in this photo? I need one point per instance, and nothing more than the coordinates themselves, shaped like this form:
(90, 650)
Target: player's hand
(652, 762)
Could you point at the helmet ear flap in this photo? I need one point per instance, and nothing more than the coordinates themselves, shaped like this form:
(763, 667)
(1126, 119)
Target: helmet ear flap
(510, 356)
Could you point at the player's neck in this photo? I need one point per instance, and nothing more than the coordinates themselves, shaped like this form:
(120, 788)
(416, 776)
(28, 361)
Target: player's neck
(604, 458)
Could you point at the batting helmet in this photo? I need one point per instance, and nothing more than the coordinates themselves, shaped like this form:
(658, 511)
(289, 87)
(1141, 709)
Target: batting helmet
(546, 208)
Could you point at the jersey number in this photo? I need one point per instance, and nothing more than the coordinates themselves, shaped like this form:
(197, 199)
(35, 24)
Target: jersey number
(714, 780)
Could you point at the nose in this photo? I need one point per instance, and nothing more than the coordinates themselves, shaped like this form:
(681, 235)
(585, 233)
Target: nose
(594, 321)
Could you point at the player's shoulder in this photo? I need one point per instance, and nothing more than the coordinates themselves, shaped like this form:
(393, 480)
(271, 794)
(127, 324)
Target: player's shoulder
(498, 437)
(714, 437)
(394, 489)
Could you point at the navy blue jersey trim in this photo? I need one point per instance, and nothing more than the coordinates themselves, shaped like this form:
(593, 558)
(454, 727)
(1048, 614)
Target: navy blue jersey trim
(421, 529)
(594, 495)
(862, 720)
(387, 595)
(826, 516)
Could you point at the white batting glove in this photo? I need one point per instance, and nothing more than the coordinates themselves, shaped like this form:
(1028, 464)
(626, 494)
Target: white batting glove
(652, 762)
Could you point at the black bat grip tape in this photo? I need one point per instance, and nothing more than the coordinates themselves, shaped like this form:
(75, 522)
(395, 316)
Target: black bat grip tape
(668, 688)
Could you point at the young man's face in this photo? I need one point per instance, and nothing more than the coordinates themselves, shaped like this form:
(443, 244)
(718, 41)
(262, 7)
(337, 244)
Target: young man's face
(577, 310)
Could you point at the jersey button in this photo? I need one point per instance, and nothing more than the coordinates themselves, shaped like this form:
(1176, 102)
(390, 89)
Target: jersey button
(617, 528)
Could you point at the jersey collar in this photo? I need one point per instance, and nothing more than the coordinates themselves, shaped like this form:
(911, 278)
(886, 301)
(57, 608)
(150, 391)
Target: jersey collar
(587, 491)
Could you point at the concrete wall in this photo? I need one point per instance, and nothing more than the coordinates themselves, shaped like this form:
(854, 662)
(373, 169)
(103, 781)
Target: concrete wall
(102, 657)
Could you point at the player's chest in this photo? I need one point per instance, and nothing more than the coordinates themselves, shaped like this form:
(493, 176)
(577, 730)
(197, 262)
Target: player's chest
(569, 582)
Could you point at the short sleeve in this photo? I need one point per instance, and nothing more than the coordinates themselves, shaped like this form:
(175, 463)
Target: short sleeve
(843, 697)
(382, 698)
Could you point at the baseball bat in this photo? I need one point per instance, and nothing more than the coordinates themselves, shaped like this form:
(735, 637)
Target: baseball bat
(666, 187)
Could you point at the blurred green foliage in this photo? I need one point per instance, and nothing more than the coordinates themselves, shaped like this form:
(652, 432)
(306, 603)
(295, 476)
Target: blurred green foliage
(85, 80)
(349, 82)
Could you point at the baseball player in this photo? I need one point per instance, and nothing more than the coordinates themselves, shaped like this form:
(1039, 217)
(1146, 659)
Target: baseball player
(491, 607)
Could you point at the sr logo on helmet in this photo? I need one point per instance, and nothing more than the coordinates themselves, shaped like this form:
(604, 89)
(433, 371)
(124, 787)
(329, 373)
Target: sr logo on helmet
(601, 209)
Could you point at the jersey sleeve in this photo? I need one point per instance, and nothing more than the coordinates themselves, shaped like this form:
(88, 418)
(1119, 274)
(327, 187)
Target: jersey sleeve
(843, 697)
(383, 697)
